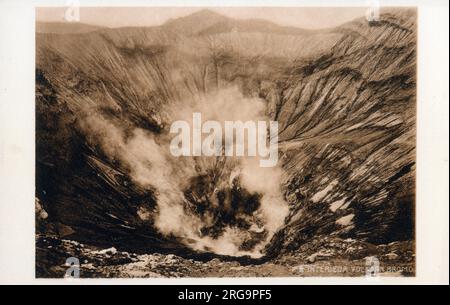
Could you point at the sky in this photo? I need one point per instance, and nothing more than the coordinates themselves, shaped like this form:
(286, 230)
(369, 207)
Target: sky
(303, 17)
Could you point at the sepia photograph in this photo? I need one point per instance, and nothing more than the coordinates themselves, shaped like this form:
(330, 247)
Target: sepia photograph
(225, 142)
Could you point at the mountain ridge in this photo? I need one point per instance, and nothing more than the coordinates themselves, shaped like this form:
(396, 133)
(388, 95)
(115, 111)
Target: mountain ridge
(43, 27)
(202, 22)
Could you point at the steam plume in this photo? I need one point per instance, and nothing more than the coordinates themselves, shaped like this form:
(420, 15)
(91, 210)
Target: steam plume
(222, 186)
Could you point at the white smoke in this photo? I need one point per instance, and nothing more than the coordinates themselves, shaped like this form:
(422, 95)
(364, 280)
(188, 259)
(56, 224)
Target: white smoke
(147, 158)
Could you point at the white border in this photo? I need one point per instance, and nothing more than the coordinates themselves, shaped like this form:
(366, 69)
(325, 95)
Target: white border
(17, 81)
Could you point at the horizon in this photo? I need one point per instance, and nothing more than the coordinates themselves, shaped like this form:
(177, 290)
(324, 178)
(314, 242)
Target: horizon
(313, 18)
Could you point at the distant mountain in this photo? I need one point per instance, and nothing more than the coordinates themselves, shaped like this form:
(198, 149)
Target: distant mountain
(65, 27)
(196, 22)
(207, 22)
(253, 26)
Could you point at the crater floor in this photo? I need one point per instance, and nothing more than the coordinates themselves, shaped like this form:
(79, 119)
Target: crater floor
(321, 257)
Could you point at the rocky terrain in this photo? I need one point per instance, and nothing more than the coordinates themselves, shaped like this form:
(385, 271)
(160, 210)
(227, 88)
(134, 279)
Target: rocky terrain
(345, 100)
(334, 257)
